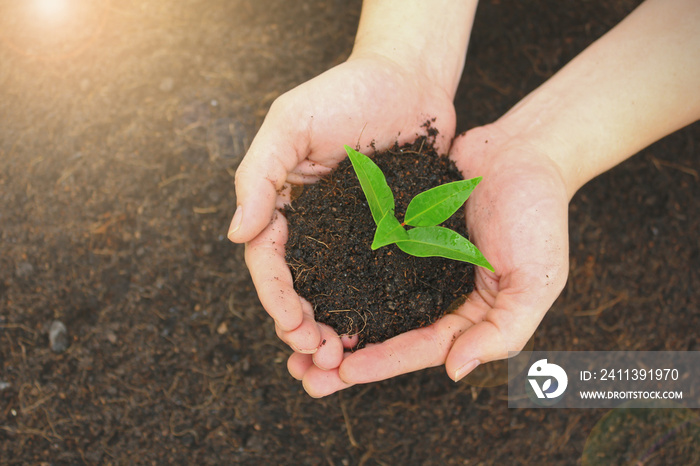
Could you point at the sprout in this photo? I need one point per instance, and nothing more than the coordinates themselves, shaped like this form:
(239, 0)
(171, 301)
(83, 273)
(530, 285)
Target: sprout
(424, 213)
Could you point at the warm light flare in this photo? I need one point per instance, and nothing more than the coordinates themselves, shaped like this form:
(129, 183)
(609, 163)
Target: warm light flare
(51, 29)
(51, 9)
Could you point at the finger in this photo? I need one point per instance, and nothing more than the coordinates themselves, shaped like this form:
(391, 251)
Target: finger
(284, 196)
(408, 352)
(330, 350)
(298, 364)
(306, 338)
(308, 171)
(319, 383)
(264, 257)
(349, 341)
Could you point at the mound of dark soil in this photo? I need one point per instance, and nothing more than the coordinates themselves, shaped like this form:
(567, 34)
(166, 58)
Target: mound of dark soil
(374, 294)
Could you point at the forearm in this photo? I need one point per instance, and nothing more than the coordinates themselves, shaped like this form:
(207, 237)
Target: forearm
(430, 36)
(636, 84)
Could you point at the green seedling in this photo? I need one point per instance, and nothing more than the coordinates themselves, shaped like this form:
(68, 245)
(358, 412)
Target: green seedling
(425, 213)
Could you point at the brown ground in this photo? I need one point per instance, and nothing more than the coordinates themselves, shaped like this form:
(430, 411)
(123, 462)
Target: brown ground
(120, 135)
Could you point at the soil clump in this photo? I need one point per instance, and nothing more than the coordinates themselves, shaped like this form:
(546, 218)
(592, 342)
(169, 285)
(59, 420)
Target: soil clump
(373, 294)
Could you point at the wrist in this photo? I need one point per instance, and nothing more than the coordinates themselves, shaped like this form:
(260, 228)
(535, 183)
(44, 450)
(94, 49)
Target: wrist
(538, 124)
(628, 89)
(427, 39)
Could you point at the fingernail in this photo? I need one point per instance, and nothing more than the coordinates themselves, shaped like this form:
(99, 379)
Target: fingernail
(303, 351)
(466, 369)
(235, 222)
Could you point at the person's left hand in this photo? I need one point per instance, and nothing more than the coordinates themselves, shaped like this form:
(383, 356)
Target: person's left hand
(518, 218)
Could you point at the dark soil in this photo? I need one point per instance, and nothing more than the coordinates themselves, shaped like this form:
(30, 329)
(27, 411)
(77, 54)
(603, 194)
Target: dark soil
(372, 294)
(121, 132)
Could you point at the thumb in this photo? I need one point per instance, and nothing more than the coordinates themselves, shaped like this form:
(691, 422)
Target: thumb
(481, 343)
(261, 175)
(501, 333)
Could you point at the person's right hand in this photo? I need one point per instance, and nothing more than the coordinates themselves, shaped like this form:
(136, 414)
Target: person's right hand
(370, 100)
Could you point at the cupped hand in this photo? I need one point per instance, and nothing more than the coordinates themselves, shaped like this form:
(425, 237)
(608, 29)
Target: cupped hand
(370, 100)
(518, 218)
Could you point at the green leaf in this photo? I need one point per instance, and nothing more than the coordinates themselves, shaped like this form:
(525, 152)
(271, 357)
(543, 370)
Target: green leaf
(377, 191)
(442, 242)
(389, 231)
(436, 205)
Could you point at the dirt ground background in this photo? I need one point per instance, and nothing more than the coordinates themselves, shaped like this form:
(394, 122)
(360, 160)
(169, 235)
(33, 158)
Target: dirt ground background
(121, 129)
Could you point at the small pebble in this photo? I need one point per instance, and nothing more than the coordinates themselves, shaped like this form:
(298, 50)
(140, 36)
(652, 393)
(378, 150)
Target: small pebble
(4, 385)
(167, 84)
(58, 337)
(111, 336)
(24, 270)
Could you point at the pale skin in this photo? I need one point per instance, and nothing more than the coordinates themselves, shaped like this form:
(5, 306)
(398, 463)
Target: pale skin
(636, 84)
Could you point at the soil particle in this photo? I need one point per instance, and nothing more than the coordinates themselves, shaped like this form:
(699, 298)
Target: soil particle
(58, 337)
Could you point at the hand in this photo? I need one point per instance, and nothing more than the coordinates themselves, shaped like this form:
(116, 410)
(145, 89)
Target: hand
(518, 218)
(579, 123)
(368, 99)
